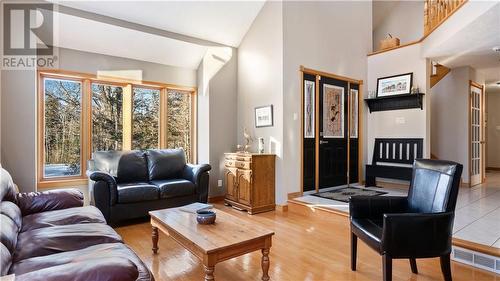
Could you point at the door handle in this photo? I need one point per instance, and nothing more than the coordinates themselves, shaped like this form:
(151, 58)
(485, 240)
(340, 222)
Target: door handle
(323, 142)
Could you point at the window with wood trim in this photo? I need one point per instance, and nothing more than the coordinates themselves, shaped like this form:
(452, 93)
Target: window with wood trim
(179, 119)
(107, 117)
(62, 115)
(146, 118)
(80, 114)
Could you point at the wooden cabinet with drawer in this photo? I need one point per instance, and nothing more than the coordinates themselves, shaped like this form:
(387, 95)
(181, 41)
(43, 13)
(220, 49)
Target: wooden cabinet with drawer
(249, 181)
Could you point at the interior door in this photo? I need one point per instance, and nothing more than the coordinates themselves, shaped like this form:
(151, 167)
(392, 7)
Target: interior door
(476, 134)
(309, 132)
(332, 132)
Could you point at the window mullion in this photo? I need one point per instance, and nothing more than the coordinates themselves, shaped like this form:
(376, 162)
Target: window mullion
(163, 118)
(127, 117)
(86, 125)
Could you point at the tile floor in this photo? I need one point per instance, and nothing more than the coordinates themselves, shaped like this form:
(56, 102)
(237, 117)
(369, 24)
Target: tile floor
(477, 217)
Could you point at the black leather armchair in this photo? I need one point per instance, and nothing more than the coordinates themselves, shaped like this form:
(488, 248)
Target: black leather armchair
(129, 184)
(417, 226)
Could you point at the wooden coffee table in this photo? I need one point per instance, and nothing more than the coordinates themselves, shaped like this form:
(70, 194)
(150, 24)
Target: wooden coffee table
(227, 238)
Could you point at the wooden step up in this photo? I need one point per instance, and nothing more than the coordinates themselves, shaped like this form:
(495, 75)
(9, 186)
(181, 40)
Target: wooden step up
(311, 210)
(441, 72)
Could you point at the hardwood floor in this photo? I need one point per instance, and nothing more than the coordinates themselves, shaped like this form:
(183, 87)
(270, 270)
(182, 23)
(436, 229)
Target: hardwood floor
(303, 248)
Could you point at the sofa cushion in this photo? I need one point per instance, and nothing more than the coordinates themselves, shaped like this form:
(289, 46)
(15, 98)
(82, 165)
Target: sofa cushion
(100, 251)
(107, 161)
(132, 167)
(12, 211)
(56, 239)
(7, 188)
(175, 188)
(137, 192)
(125, 166)
(78, 215)
(10, 225)
(5, 260)
(102, 269)
(165, 163)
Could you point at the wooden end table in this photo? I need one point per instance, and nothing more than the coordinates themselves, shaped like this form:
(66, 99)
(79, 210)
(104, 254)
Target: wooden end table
(227, 238)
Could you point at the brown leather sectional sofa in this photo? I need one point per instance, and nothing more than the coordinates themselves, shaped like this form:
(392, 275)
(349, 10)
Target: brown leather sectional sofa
(51, 236)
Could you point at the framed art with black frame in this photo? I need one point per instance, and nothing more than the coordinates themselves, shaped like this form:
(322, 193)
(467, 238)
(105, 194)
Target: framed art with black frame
(394, 85)
(264, 116)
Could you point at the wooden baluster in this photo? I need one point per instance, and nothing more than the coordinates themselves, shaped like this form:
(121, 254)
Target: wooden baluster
(436, 11)
(440, 11)
(426, 17)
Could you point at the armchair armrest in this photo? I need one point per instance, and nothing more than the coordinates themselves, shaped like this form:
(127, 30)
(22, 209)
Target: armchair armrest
(374, 207)
(417, 234)
(35, 202)
(108, 186)
(198, 174)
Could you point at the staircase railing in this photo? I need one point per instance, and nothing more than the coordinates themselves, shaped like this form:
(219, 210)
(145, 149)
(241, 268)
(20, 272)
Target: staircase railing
(438, 11)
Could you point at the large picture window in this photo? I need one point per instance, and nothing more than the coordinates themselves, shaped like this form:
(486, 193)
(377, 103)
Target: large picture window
(146, 118)
(62, 105)
(80, 114)
(179, 120)
(107, 117)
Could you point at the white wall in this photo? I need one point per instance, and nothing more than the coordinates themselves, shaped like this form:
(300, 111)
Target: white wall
(313, 39)
(18, 107)
(405, 21)
(449, 127)
(223, 123)
(450, 117)
(18, 126)
(493, 134)
(91, 63)
(260, 82)
(416, 121)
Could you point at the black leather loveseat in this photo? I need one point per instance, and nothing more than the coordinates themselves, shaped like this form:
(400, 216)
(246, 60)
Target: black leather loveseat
(129, 184)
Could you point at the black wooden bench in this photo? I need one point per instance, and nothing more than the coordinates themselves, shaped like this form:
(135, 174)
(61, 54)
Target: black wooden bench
(393, 159)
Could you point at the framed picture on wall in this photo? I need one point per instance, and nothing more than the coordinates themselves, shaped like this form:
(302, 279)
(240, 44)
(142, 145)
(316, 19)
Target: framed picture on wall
(309, 109)
(333, 111)
(264, 116)
(394, 85)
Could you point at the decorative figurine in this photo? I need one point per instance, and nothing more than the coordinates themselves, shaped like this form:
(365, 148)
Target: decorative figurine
(261, 145)
(248, 139)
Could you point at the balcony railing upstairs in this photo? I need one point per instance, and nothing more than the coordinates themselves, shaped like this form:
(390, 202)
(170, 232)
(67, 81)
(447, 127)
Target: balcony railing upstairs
(438, 11)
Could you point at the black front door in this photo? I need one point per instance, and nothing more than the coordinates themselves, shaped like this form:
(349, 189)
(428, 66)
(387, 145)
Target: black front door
(333, 130)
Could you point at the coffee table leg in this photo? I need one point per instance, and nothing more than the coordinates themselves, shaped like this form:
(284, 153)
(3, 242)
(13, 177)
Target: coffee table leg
(155, 239)
(209, 273)
(265, 264)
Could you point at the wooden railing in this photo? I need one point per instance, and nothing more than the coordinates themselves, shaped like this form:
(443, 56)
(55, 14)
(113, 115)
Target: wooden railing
(437, 11)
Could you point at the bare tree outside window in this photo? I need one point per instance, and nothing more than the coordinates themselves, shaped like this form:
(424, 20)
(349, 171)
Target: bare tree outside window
(107, 120)
(62, 114)
(146, 118)
(179, 121)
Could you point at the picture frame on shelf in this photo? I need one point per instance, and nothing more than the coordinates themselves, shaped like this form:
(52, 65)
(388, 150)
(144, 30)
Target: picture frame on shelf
(264, 116)
(395, 85)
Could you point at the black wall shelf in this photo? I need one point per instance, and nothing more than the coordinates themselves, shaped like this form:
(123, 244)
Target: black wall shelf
(396, 102)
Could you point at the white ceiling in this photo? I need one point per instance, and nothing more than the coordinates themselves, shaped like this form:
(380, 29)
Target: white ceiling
(117, 41)
(224, 22)
(473, 46)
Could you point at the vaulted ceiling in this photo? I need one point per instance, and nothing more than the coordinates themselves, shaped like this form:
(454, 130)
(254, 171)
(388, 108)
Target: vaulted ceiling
(224, 22)
(176, 33)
